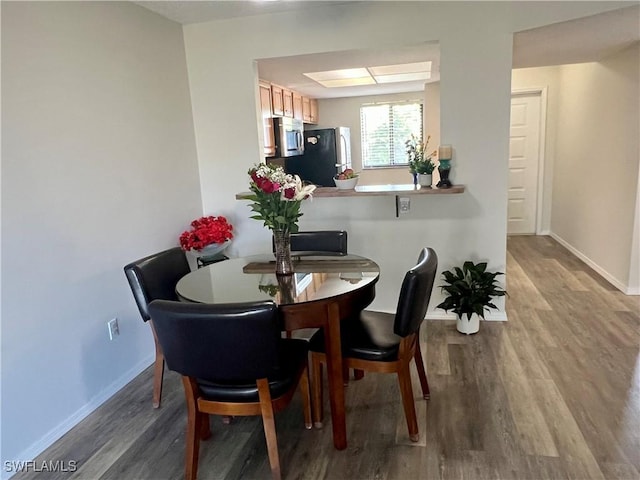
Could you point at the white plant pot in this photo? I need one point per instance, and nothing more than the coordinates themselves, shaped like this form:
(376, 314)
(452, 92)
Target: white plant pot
(466, 326)
(424, 179)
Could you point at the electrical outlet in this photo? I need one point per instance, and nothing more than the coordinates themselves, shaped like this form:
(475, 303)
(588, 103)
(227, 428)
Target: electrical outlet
(404, 205)
(114, 331)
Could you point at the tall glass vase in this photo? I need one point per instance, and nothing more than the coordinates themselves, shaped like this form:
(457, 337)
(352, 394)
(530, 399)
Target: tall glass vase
(287, 289)
(282, 241)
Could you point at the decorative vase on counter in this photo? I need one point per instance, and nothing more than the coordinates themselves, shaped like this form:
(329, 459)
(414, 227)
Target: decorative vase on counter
(445, 152)
(425, 179)
(282, 242)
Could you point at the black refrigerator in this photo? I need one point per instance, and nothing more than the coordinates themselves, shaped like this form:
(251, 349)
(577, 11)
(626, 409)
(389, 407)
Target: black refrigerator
(327, 152)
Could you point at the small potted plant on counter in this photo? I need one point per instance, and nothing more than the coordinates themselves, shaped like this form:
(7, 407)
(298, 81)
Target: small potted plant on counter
(424, 169)
(420, 163)
(470, 291)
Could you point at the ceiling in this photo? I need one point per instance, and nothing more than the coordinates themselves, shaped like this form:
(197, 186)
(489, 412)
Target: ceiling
(187, 11)
(288, 71)
(586, 39)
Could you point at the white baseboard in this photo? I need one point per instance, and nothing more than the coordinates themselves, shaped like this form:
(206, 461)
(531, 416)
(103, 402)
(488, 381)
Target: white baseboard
(601, 271)
(55, 433)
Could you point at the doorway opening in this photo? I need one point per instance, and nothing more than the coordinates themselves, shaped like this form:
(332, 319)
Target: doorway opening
(526, 162)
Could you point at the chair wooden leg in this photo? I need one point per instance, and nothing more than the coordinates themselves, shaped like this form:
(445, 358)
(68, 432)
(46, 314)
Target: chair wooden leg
(306, 397)
(194, 425)
(158, 371)
(268, 421)
(404, 378)
(316, 388)
(422, 374)
(358, 374)
(205, 427)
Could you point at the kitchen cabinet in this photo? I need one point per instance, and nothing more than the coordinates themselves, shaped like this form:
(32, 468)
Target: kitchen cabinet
(287, 102)
(277, 101)
(306, 109)
(309, 110)
(313, 113)
(297, 105)
(267, 124)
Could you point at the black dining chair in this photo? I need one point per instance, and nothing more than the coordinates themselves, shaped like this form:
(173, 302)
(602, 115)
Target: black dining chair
(385, 343)
(321, 242)
(233, 362)
(154, 278)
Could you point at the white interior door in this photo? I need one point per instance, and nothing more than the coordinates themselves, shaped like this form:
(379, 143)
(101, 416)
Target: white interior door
(524, 153)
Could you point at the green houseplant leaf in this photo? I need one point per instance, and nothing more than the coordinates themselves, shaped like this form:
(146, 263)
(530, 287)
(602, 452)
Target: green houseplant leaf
(470, 289)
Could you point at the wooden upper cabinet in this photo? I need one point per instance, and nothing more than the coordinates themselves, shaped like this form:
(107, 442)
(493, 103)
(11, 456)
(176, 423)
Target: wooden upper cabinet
(267, 124)
(265, 100)
(287, 102)
(277, 100)
(306, 109)
(313, 110)
(297, 105)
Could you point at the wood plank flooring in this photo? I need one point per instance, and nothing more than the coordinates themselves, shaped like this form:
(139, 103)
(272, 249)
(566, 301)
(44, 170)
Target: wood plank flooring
(554, 393)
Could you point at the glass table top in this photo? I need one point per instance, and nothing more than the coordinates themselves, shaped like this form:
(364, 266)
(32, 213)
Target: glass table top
(250, 279)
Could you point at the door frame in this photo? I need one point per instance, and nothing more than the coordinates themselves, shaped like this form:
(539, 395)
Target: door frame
(542, 128)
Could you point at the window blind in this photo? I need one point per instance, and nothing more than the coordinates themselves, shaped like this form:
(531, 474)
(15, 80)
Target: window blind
(385, 128)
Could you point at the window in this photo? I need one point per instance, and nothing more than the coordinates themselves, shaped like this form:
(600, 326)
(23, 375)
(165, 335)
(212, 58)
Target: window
(385, 128)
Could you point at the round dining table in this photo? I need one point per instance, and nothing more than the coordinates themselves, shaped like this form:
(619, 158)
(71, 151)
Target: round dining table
(322, 291)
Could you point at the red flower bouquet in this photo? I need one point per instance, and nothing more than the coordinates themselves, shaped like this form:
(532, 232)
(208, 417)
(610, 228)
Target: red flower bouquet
(277, 197)
(205, 231)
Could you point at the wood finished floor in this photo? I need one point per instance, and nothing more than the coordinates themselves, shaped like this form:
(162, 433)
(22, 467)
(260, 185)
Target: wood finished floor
(552, 394)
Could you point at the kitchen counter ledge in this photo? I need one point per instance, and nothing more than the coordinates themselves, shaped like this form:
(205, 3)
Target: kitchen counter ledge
(377, 190)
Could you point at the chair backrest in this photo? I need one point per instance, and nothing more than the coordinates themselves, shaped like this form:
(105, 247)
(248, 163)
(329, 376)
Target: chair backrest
(155, 277)
(318, 242)
(415, 294)
(222, 342)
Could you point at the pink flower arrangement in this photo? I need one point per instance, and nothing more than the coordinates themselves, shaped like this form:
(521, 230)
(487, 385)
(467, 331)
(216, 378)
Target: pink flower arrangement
(205, 231)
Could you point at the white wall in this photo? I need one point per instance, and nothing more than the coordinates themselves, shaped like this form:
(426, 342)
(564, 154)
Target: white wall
(345, 112)
(98, 168)
(432, 118)
(596, 167)
(475, 42)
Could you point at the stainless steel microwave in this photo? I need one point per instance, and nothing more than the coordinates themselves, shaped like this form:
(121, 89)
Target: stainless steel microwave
(289, 136)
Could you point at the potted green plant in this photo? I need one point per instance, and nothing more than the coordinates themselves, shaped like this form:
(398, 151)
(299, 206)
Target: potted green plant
(470, 291)
(424, 169)
(420, 163)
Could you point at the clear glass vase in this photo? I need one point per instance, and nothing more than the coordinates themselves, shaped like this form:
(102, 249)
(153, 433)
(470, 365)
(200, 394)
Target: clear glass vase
(287, 289)
(282, 241)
